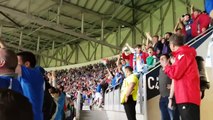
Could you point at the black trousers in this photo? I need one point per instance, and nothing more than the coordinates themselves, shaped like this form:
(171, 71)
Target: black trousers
(129, 107)
(189, 111)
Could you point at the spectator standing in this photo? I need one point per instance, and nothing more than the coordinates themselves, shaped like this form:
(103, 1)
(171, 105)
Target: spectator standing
(136, 59)
(98, 97)
(123, 64)
(188, 27)
(59, 99)
(32, 82)
(164, 88)
(156, 44)
(151, 59)
(184, 72)
(166, 49)
(8, 77)
(195, 13)
(129, 93)
(203, 22)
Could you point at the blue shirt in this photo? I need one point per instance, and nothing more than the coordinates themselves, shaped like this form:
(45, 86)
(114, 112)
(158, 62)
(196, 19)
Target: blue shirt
(61, 101)
(98, 88)
(9, 82)
(188, 27)
(113, 82)
(32, 83)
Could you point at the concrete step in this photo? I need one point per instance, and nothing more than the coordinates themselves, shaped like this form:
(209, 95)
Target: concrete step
(93, 115)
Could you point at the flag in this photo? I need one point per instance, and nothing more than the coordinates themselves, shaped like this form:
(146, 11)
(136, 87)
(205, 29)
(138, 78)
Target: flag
(104, 61)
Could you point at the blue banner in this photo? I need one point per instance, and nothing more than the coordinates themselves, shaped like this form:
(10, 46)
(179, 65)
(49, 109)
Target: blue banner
(208, 6)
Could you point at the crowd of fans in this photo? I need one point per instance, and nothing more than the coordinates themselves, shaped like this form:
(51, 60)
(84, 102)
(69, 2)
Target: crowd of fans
(140, 57)
(83, 79)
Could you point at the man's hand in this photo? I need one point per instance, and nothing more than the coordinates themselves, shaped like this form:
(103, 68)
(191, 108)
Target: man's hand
(168, 86)
(126, 99)
(172, 60)
(127, 44)
(180, 20)
(2, 45)
(170, 104)
(123, 49)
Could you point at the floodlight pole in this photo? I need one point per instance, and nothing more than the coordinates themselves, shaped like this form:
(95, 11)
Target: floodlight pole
(1, 27)
(82, 22)
(20, 40)
(53, 47)
(28, 7)
(58, 13)
(38, 43)
(102, 29)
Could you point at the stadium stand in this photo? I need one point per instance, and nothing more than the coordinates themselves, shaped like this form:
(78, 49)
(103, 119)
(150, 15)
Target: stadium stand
(102, 90)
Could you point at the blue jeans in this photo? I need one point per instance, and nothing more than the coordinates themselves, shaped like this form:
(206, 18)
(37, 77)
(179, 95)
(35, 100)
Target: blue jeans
(166, 113)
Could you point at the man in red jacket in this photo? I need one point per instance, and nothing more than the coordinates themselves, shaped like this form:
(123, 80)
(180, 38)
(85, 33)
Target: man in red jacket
(184, 72)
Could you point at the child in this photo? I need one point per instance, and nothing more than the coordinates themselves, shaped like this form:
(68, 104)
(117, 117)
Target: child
(151, 59)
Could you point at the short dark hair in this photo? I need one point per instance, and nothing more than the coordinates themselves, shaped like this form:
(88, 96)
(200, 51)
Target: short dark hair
(14, 106)
(166, 55)
(129, 68)
(186, 15)
(176, 40)
(151, 48)
(198, 10)
(138, 46)
(11, 60)
(156, 36)
(168, 33)
(28, 56)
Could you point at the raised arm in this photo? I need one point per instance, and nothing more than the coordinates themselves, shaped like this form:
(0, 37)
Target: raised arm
(192, 9)
(132, 50)
(148, 36)
(176, 26)
(118, 60)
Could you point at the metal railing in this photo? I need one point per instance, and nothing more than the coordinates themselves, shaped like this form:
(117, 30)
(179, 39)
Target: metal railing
(78, 106)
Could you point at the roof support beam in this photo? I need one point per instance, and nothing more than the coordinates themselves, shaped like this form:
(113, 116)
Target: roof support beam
(36, 53)
(105, 16)
(153, 10)
(131, 7)
(148, 3)
(10, 19)
(53, 26)
(1, 27)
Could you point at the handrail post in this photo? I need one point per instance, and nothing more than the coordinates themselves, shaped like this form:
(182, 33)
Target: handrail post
(145, 97)
(78, 106)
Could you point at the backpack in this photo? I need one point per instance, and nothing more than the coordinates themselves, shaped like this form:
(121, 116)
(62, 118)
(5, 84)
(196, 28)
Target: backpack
(204, 84)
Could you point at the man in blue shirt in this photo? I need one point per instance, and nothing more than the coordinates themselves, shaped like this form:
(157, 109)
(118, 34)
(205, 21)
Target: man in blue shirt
(32, 82)
(8, 63)
(98, 97)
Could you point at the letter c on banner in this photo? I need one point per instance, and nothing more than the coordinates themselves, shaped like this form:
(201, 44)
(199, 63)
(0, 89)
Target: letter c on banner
(151, 87)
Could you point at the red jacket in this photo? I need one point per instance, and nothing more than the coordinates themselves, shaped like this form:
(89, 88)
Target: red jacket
(194, 25)
(131, 56)
(185, 73)
(204, 21)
